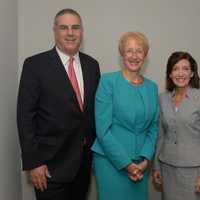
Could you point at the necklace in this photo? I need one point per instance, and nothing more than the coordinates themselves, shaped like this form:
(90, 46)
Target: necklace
(137, 81)
(177, 99)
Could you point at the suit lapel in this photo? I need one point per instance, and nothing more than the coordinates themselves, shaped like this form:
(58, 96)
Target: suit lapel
(60, 69)
(57, 63)
(86, 79)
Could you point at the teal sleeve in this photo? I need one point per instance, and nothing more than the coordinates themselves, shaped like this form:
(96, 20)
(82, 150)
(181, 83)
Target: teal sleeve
(148, 148)
(103, 114)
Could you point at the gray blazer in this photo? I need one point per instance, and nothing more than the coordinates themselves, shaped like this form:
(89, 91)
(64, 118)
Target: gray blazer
(179, 133)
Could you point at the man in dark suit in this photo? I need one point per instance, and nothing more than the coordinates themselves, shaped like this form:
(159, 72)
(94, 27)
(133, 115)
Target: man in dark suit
(55, 122)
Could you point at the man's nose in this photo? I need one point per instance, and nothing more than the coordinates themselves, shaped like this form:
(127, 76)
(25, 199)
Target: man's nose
(70, 31)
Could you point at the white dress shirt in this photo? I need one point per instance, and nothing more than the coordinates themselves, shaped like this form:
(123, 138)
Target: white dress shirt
(77, 68)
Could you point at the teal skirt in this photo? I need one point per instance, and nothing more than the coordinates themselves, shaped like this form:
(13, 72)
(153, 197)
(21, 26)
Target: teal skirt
(113, 184)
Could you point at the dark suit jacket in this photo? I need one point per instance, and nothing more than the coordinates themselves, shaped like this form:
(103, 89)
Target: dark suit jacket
(50, 123)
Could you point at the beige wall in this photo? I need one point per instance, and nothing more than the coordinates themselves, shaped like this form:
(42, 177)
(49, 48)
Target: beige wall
(10, 185)
(170, 25)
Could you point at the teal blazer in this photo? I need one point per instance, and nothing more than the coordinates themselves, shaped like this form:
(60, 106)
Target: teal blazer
(120, 138)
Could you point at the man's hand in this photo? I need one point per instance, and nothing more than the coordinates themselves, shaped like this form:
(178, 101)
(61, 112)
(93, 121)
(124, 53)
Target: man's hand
(39, 177)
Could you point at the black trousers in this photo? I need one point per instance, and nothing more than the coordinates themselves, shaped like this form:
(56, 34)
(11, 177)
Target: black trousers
(75, 190)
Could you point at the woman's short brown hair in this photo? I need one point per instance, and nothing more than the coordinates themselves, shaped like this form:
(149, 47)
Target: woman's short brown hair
(173, 59)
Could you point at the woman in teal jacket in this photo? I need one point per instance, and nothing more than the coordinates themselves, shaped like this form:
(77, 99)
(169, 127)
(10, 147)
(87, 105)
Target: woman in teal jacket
(126, 111)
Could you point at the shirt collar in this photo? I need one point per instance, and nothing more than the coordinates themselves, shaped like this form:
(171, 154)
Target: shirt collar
(65, 58)
(189, 92)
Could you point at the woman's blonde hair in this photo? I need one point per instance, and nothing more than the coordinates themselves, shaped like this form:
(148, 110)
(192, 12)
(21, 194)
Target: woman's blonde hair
(139, 37)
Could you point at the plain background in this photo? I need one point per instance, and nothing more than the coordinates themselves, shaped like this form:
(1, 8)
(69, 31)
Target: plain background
(169, 25)
(26, 29)
(10, 185)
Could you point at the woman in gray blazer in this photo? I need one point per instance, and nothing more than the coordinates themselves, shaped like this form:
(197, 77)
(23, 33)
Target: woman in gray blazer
(177, 159)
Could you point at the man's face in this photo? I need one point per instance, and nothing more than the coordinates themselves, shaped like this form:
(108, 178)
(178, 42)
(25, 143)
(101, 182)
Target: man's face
(68, 33)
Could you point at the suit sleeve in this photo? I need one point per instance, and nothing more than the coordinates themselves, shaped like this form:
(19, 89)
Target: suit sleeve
(149, 146)
(103, 115)
(28, 98)
(156, 162)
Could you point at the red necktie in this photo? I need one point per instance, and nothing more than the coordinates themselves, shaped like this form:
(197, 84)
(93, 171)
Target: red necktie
(74, 82)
